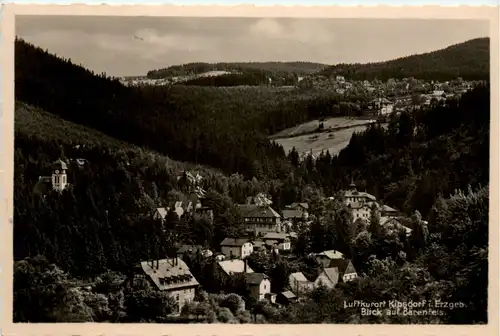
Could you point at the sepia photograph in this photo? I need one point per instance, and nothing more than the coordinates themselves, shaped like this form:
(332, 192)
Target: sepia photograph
(251, 170)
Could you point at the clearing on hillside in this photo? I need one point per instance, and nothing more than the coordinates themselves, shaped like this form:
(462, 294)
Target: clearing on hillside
(333, 141)
(313, 125)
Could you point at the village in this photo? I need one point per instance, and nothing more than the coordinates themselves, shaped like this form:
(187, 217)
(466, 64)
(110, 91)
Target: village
(268, 231)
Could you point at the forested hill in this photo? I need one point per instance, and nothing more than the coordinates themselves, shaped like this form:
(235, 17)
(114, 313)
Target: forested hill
(469, 60)
(220, 127)
(202, 126)
(298, 68)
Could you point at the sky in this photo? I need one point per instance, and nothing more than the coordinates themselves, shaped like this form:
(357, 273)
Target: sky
(131, 46)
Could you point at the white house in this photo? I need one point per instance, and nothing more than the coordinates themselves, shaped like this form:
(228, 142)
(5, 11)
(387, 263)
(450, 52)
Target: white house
(260, 285)
(236, 248)
(282, 240)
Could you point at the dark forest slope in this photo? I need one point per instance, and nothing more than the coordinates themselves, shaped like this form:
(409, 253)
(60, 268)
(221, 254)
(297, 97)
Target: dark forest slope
(264, 67)
(469, 60)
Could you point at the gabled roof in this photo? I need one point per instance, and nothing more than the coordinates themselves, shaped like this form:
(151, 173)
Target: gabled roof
(162, 212)
(255, 211)
(288, 295)
(292, 214)
(299, 276)
(331, 254)
(344, 265)
(176, 272)
(387, 208)
(257, 243)
(355, 193)
(301, 204)
(234, 266)
(234, 242)
(275, 236)
(255, 278)
(60, 164)
(332, 273)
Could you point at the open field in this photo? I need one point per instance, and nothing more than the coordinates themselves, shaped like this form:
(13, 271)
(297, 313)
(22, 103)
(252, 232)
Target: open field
(333, 141)
(311, 126)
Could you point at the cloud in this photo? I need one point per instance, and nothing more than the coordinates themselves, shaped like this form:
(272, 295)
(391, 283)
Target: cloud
(108, 43)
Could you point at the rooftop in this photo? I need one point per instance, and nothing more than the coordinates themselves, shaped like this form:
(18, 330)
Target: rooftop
(292, 213)
(331, 254)
(255, 278)
(234, 241)
(171, 274)
(288, 295)
(276, 236)
(299, 276)
(256, 211)
(300, 204)
(234, 266)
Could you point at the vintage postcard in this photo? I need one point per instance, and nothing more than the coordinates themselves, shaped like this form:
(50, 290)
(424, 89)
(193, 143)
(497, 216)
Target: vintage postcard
(184, 170)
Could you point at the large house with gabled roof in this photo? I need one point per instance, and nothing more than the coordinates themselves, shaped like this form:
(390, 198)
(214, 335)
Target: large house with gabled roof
(170, 275)
(260, 219)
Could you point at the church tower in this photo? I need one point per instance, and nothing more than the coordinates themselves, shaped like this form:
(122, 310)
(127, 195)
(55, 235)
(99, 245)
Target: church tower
(59, 177)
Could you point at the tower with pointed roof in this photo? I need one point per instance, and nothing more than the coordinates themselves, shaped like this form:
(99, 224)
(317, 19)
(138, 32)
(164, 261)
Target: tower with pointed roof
(59, 176)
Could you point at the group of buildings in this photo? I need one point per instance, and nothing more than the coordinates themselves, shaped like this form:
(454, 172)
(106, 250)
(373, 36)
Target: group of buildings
(267, 231)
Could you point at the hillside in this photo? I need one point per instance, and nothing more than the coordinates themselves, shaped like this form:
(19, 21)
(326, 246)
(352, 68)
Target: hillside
(469, 60)
(101, 226)
(251, 73)
(268, 67)
(222, 127)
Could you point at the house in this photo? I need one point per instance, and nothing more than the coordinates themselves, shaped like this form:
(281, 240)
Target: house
(285, 298)
(236, 247)
(230, 267)
(160, 214)
(191, 204)
(169, 275)
(299, 206)
(393, 223)
(259, 284)
(194, 249)
(281, 239)
(258, 246)
(299, 283)
(328, 277)
(340, 78)
(260, 219)
(382, 106)
(361, 210)
(296, 212)
(353, 195)
(259, 199)
(57, 182)
(387, 211)
(325, 257)
(345, 268)
(271, 297)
